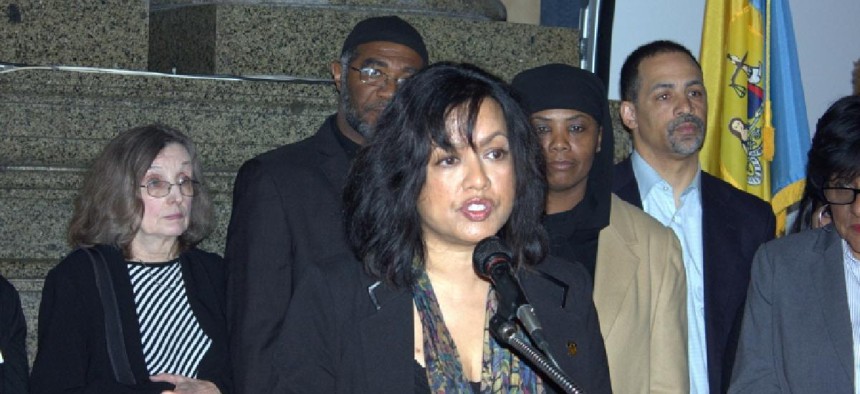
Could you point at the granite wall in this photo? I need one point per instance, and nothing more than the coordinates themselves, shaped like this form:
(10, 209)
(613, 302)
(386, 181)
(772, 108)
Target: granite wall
(54, 120)
(53, 123)
(242, 39)
(104, 33)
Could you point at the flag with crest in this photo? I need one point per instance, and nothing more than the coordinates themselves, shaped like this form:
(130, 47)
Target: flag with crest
(758, 133)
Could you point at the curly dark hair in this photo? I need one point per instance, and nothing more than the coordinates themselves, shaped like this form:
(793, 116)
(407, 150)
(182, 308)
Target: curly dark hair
(109, 208)
(382, 222)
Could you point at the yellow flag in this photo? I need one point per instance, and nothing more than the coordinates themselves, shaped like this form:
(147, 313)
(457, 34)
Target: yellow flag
(746, 60)
(733, 56)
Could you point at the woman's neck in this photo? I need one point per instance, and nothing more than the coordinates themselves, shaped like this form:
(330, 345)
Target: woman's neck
(453, 269)
(462, 298)
(154, 252)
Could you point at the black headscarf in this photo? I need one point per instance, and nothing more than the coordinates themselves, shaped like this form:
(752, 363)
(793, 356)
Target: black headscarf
(574, 233)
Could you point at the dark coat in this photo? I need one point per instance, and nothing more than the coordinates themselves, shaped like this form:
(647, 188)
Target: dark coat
(13, 336)
(345, 335)
(735, 224)
(286, 214)
(73, 354)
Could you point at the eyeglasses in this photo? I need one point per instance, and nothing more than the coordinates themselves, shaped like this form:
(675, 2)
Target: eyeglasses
(840, 195)
(158, 188)
(375, 77)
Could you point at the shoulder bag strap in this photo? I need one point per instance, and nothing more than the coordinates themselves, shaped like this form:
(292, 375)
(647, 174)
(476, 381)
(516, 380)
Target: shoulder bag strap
(113, 325)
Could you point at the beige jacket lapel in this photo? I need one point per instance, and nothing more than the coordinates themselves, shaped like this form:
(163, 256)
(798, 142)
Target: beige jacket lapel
(614, 282)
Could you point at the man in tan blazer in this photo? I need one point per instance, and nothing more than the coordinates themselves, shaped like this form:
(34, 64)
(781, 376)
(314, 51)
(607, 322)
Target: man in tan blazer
(639, 280)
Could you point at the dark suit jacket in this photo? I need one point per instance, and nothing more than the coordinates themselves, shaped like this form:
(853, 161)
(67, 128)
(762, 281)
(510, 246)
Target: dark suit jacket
(14, 370)
(735, 224)
(286, 214)
(796, 335)
(73, 354)
(344, 334)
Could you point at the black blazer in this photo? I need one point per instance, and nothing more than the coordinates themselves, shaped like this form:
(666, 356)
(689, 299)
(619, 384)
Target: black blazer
(735, 224)
(13, 335)
(286, 214)
(73, 355)
(346, 334)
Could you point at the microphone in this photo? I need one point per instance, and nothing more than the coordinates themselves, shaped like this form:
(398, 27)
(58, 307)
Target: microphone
(492, 261)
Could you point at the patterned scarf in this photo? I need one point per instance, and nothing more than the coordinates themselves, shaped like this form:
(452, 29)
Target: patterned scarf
(501, 370)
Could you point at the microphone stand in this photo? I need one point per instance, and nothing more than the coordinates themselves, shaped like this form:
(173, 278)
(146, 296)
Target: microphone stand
(505, 330)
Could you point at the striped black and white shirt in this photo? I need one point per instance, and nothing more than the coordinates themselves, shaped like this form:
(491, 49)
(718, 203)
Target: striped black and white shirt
(172, 339)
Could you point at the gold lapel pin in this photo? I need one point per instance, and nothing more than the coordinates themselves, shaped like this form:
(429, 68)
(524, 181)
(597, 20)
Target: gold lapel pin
(571, 348)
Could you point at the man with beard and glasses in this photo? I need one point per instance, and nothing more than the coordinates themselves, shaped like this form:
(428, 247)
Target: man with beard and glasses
(287, 202)
(664, 105)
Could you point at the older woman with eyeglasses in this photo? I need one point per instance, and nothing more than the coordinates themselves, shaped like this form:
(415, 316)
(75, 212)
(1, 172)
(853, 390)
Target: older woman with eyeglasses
(801, 328)
(136, 308)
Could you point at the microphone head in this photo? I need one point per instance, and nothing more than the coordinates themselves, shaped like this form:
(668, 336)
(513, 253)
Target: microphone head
(488, 252)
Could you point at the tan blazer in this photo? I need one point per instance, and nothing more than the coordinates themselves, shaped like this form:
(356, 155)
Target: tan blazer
(640, 291)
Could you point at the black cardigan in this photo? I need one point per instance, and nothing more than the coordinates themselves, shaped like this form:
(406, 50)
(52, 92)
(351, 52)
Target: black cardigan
(13, 333)
(72, 354)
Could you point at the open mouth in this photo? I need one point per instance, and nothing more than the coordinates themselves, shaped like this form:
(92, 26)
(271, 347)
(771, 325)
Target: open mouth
(477, 209)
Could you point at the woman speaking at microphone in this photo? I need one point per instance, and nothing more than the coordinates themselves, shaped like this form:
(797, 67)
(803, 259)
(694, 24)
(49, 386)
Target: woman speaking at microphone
(452, 162)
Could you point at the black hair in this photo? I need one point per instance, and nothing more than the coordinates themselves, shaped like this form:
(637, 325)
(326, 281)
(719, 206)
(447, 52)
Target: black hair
(382, 222)
(629, 82)
(835, 151)
(809, 203)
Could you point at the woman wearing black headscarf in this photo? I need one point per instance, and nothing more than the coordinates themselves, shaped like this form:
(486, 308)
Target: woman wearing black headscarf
(639, 281)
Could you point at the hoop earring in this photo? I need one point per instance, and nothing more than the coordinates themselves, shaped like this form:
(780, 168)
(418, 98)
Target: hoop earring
(824, 210)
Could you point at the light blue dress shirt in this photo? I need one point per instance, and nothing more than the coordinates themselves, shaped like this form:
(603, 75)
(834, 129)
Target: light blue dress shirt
(852, 287)
(658, 200)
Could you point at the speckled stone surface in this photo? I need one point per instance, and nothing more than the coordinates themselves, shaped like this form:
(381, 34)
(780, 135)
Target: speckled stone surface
(462, 9)
(36, 205)
(190, 54)
(623, 142)
(104, 33)
(254, 39)
(62, 119)
(53, 123)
